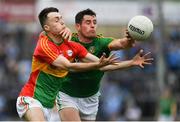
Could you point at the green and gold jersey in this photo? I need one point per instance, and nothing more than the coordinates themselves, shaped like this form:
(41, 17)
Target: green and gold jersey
(85, 84)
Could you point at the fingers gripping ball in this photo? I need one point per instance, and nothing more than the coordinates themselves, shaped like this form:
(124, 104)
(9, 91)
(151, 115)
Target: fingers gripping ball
(140, 27)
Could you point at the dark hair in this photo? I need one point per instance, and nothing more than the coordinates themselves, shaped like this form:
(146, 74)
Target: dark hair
(43, 14)
(79, 16)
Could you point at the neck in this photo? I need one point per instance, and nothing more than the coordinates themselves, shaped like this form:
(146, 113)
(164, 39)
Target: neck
(57, 39)
(84, 39)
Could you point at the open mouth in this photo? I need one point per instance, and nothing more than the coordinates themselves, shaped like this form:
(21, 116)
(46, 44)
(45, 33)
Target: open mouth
(92, 31)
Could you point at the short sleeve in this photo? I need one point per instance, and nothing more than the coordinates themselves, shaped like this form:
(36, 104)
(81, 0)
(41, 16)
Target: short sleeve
(80, 50)
(104, 42)
(83, 51)
(46, 51)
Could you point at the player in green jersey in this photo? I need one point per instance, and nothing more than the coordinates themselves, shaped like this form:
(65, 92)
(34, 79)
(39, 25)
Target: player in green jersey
(167, 106)
(78, 98)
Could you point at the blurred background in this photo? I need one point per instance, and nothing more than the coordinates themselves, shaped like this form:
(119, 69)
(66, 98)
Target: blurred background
(134, 94)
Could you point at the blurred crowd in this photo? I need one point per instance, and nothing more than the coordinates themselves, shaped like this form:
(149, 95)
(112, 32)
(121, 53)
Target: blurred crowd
(16, 47)
(128, 94)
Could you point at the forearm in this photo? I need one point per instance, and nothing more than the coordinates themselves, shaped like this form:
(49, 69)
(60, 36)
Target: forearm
(63, 64)
(119, 65)
(75, 67)
(116, 44)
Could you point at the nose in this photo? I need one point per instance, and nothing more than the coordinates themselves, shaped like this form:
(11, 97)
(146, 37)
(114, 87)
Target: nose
(92, 25)
(62, 22)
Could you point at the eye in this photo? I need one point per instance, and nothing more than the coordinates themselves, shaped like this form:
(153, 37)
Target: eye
(56, 20)
(88, 22)
(95, 22)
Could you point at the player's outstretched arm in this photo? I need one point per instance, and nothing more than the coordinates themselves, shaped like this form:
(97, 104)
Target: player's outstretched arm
(92, 58)
(138, 60)
(123, 43)
(62, 63)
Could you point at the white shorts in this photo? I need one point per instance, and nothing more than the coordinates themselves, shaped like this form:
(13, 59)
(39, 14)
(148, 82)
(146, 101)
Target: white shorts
(24, 103)
(87, 107)
(165, 118)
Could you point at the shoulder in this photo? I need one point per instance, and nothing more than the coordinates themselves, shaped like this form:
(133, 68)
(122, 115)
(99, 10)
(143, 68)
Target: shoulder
(43, 38)
(100, 36)
(44, 44)
(75, 35)
(101, 40)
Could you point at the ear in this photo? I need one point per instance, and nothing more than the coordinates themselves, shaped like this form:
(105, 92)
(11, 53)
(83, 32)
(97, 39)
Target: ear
(78, 27)
(46, 27)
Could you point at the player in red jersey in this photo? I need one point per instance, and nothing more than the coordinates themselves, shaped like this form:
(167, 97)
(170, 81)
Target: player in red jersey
(51, 62)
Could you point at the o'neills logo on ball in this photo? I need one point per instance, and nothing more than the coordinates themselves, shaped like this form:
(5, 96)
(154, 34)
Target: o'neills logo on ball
(136, 29)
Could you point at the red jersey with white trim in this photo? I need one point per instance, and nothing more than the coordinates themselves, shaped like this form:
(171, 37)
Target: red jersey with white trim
(45, 79)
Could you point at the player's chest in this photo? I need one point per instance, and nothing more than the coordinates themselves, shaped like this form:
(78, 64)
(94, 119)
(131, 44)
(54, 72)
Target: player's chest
(67, 52)
(95, 49)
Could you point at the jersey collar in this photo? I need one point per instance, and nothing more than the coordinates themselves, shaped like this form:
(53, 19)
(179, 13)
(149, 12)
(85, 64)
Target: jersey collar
(52, 40)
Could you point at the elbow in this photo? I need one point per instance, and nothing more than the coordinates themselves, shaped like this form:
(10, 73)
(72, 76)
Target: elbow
(103, 69)
(70, 66)
(65, 66)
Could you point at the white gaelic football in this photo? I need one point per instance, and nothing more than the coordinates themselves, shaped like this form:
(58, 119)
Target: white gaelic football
(140, 27)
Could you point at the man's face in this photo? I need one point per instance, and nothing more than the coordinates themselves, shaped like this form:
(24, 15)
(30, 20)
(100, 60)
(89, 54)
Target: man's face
(54, 23)
(88, 26)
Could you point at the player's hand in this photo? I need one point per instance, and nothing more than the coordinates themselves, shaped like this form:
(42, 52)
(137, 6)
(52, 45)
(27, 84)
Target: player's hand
(66, 33)
(128, 41)
(109, 60)
(141, 59)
